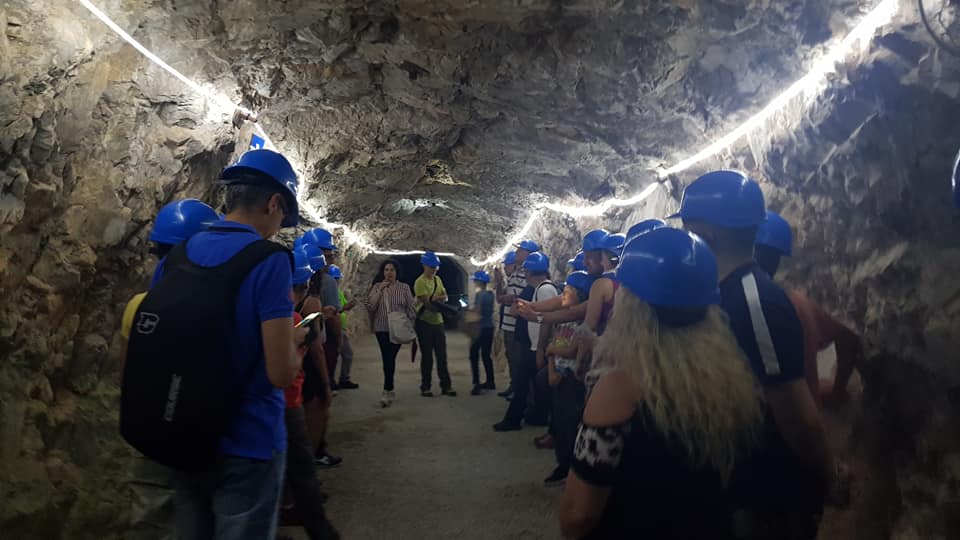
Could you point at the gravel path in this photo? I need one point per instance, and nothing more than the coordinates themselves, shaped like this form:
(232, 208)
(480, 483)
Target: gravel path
(432, 467)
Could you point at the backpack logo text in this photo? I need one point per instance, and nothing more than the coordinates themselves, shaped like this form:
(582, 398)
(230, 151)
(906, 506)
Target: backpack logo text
(147, 323)
(172, 398)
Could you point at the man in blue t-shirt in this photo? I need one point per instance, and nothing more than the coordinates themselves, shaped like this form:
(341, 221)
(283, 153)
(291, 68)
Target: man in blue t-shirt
(782, 487)
(238, 497)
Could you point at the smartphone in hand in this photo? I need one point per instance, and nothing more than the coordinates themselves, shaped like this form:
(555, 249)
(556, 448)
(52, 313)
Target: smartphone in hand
(307, 320)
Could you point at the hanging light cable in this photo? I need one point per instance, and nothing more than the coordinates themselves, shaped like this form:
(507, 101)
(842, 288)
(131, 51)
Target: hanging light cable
(862, 33)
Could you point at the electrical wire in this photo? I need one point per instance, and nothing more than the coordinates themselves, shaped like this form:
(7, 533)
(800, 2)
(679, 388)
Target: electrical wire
(950, 48)
(881, 14)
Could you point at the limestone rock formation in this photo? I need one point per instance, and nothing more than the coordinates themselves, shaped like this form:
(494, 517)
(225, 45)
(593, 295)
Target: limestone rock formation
(439, 124)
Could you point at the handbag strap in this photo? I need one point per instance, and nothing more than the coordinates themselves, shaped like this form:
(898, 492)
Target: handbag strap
(424, 306)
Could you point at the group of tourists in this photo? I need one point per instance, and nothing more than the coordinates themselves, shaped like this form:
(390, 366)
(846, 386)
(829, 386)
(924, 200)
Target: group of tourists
(678, 381)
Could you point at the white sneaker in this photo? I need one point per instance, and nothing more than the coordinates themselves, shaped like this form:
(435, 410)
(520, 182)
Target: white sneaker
(393, 396)
(385, 399)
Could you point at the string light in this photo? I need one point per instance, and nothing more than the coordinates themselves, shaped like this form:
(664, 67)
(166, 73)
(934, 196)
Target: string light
(811, 82)
(223, 104)
(862, 33)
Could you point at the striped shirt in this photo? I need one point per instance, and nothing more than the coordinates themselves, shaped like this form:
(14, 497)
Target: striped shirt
(396, 297)
(516, 282)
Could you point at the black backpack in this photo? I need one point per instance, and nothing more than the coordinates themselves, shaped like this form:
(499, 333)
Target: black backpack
(175, 399)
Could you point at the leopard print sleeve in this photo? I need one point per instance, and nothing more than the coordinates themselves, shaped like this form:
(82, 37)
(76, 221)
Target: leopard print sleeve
(598, 452)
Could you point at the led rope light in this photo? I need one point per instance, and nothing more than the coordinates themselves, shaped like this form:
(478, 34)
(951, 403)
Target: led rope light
(222, 102)
(862, 33)
(225, 106)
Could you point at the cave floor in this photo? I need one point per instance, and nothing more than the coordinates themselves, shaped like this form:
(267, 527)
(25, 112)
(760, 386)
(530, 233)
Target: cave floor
(432, 467)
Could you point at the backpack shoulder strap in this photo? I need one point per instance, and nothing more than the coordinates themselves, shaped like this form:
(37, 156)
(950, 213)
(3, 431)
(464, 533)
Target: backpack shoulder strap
(177, 257)
(537, 290)
(240, 265)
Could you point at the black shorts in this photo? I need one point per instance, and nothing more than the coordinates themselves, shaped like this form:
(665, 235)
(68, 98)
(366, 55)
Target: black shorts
(313, 383)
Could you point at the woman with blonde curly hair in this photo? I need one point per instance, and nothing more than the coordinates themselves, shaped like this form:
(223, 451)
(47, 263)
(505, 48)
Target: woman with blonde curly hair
(675, 406)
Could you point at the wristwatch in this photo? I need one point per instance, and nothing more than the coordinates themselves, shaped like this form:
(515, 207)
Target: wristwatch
(539, 318)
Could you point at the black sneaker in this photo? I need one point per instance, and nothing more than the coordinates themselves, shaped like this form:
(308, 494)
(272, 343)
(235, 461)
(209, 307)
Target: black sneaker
(506, 393)
(449, 392)
(348, 385)
(477, 390)
(426, 393)
(507, 426)
(326, 461)
(556, 478)
(488, 386)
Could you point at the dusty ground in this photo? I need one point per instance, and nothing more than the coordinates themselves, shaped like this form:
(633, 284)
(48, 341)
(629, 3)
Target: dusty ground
(433, 467)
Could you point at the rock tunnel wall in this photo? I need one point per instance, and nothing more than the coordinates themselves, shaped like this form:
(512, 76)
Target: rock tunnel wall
(93, 141)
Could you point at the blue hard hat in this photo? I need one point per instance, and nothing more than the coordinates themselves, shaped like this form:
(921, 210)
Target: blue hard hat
(594, 240)
(430, 259)
(726, 199)
(581, 281)
(274, 166)
(577, 262)
(776, 233)
(314, 256)
(537, 262)
(321, 238)
(528, 245)
(643, 227)
(180, 220)
(614, 243)
(670, 267)
(302, 271)
(481, 276)
(510, 258)
(334, 271)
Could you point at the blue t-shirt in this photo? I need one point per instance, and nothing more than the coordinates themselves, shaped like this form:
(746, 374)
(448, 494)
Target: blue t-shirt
(484, 302)
(257, 430)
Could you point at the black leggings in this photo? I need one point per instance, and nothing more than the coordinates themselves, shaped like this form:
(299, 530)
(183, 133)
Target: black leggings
(569, 396)
(388, 353)
(482, 345)
(301, 475)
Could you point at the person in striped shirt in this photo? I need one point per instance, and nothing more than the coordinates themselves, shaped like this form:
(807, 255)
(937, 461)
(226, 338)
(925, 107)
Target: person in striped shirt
(507, 294)
(388, 294)
(507, 322)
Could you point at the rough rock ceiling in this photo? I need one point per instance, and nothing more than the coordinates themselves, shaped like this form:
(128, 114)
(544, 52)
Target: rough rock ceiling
(436, 123)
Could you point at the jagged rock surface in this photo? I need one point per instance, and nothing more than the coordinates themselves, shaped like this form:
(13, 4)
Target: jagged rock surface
(439, 124)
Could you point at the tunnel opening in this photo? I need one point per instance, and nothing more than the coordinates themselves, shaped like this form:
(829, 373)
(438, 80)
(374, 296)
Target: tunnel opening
(454, 277)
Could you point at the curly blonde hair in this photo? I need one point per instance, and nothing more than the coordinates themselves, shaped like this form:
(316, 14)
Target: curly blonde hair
(695, 380)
